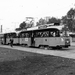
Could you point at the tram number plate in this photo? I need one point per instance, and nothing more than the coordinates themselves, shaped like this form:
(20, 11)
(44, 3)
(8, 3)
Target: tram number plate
(26, 39)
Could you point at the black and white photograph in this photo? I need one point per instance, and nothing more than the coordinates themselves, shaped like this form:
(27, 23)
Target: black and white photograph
(37, 37)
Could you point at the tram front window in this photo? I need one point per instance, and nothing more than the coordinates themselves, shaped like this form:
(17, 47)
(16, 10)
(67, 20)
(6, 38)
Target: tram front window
(64, 33)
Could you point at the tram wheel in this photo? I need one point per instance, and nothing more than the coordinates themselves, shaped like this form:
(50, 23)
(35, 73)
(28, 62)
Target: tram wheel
(58, 47)
(41, 46)
(66, 46)
(53, 47)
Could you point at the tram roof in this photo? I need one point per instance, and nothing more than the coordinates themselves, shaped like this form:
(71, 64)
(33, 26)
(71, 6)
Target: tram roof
(57, 27)
(45, 27)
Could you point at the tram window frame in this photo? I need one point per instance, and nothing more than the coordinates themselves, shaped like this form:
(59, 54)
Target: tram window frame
(41, 33)
(25, 34)
(13, 35)
(37, 33)
(45, 33)
(54, 33)
(9, 35)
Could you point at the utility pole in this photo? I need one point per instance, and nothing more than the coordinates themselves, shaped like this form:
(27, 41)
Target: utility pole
(1, 29)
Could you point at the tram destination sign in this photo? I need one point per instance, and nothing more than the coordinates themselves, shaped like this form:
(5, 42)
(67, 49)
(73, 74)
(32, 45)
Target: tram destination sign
(42, 27)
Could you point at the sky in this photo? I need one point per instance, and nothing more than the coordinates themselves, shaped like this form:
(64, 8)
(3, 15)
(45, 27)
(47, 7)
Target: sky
(14, 12)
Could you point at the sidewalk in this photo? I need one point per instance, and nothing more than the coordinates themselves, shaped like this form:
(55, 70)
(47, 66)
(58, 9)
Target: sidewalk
(65, 54)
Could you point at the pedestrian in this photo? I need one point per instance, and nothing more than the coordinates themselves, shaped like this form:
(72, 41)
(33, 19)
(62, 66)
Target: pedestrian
(11, 42)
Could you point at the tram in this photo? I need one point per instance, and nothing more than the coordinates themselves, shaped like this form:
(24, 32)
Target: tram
(44, 35)
(1, 38)
(51, 36)
(7, 36)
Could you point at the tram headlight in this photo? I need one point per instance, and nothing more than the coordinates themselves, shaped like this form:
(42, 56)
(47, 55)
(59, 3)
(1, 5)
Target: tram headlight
(67, 41)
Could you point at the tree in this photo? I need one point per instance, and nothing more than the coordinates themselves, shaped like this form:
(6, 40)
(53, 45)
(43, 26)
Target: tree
(22, 25)
(71, 13)
(53, 20)
(65, 22)
(64, 19)
(41, 22)
(71, 19)
(18, 29)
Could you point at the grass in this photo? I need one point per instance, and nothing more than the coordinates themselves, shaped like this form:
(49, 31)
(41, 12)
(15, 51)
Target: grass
(14, 62)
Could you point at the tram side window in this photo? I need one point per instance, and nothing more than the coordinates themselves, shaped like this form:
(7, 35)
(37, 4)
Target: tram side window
(25, 35)
(42, 34)
(54, 34)
(14, 35)
(57, 34)
(46, 34)
(22, 35)
(7, 36)
(28, 34)
(10, 35)
(38, 34)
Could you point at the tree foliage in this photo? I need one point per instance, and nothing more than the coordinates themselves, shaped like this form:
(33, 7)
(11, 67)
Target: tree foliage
(50, 20)
(53, 20)
(21, 26)
(69, 20)
(71, 13)
(41, 22)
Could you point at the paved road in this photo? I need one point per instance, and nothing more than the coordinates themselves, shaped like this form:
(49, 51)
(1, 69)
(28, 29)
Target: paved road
(67, 53)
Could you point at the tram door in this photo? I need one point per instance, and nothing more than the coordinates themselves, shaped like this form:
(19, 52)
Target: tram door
(32, 40)
(4, 39)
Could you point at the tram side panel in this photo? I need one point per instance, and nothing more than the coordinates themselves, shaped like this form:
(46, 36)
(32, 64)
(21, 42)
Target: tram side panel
(25, 41)
(15, 41)
(52, 41)
(25, 38)
(47, 41)
(7, 41)
(51, 38)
